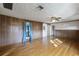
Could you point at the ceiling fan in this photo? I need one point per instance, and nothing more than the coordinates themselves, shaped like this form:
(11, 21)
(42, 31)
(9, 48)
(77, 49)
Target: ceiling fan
(55, 19)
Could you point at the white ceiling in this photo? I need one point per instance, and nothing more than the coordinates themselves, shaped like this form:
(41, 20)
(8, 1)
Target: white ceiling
(68, 11)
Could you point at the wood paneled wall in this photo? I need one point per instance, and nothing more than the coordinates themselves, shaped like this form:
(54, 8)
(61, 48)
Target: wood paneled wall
(71, 34)
(67, 29)
(37, 30)
(11, 30)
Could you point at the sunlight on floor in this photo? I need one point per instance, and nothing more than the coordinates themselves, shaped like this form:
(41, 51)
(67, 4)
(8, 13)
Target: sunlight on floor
(56, 42)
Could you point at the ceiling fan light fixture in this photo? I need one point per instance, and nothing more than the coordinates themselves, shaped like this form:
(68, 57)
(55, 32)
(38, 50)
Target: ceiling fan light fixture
(54, 20)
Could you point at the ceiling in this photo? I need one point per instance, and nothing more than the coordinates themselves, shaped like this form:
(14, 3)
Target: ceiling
(29, 11)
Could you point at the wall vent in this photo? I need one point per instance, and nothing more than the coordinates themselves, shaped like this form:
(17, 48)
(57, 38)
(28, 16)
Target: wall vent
(8, 5)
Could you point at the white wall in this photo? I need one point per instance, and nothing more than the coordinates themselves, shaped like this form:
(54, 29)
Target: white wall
(48, 31)
(44, 30)
(51, 30)
(67, 26)
(44, 38)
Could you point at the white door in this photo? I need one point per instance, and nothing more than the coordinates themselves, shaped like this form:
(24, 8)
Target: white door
(44, 36)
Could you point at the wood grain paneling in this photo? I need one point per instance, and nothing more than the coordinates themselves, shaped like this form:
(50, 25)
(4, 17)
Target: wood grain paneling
(73, 34)
(11, 30)
(37, 30)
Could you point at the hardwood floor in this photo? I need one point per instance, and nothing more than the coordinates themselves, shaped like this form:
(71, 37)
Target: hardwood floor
(69, 47)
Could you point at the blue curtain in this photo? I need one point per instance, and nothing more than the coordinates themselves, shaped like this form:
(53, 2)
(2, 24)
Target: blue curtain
(27, 31)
